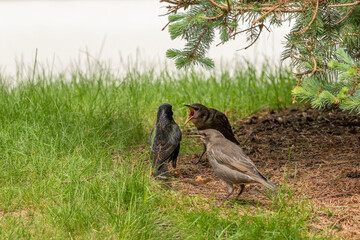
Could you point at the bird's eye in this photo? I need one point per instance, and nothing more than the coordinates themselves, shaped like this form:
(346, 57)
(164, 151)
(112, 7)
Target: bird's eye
(204, 134)
(196, 109)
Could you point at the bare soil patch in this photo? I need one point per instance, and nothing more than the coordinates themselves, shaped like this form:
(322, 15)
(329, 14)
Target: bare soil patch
(319, 152)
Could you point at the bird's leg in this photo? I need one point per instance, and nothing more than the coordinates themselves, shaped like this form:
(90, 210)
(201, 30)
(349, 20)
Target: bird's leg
(230, 191)
(242, 187)
(204, 150)
(179, 173)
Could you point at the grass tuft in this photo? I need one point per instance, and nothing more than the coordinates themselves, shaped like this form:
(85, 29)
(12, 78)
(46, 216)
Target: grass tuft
(73, 165)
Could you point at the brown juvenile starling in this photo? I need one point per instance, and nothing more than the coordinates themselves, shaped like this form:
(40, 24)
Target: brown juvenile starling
(230, 162)
(209, 118)
(164, 141)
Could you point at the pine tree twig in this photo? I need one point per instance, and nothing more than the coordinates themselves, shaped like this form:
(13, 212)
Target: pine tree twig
(303, 73)
(345, 35)
(213, 18)
(257, 37)
(314, 60)
(352, 34)
(345, 4)
(353, 88)
(178, 6)
(236, 33)
(228, 4)
(298, 58)
(191, 56)
(271, 10)
(265, 8)
(336, 43)
(297, 85)
(348, 13)
(218, 5)
(169, 1)
(302, 31)
(228, 7)
(165, 26)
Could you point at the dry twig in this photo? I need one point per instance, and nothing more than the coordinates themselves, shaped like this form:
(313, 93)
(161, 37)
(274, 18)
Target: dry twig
(349, 12)
(345, 5)
(302, 31)
(271, 10)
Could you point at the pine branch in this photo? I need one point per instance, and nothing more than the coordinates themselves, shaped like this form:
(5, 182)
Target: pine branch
(312, 20)
(326, 76)
(321, 94)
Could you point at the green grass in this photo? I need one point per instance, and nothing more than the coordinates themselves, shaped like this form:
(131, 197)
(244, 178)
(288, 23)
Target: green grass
(72, 165)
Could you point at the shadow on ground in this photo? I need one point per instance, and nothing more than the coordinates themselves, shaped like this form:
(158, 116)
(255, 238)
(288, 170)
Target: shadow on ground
(318, 151)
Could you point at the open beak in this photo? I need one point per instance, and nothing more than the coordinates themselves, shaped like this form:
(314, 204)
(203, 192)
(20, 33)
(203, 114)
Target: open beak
(191, 114)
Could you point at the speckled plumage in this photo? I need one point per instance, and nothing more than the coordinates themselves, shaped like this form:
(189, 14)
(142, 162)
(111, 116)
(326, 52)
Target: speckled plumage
(164, 141)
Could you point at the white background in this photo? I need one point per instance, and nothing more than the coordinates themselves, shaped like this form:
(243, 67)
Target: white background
(65, 30)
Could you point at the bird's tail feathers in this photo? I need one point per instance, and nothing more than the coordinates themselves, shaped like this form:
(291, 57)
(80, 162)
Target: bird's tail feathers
(269, 184)
(161, 170)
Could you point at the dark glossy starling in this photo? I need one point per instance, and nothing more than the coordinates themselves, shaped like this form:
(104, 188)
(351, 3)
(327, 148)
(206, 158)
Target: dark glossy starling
(230, 162)
(209, 118)
(164, 141)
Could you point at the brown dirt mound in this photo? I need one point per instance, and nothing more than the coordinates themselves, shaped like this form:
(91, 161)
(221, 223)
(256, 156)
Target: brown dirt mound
(318, 149)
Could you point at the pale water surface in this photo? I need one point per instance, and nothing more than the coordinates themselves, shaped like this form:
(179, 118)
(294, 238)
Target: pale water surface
(117, 32)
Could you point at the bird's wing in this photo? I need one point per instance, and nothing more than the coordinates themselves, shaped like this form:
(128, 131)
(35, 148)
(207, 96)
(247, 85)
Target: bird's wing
(222, 119)
(163, 145)
(224, 124)
(232, 156)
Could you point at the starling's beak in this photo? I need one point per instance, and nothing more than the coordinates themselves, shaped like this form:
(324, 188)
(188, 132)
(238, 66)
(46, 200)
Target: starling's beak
(191, 114)
(200, 134)
(196, 134)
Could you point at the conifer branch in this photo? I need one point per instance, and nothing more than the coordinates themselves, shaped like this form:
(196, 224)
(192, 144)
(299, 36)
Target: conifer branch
(314, 61)
(223, 8)
(213, 18)
(269, 11)
(257, 37)
(347, 15)
(236, 33)
(312, 20)
(345, 4)
(165, 26)
(192, 54)
(228, 4)
(319, 29)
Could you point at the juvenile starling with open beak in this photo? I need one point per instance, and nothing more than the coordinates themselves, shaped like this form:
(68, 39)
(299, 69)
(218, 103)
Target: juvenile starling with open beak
(164, 141)
(230, 162)
(209, 118)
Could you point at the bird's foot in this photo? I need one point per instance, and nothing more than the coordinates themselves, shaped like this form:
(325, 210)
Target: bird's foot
(228, 205)
(162, 177)
(179, 173)
(198, 161)
(217, 204)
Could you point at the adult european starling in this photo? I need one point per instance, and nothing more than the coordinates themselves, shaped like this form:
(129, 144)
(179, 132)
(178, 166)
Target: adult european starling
(164, 141)
(230, 162)
(209, 118)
